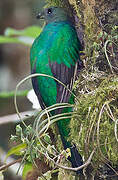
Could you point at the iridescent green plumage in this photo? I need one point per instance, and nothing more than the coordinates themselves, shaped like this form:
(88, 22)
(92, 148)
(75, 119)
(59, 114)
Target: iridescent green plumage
(56, 53)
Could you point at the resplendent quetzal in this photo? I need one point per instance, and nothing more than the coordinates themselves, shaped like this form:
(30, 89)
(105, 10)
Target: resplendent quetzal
(55, 52)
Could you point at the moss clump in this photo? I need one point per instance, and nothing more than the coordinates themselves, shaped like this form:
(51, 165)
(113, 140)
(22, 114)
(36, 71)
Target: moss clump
(94, 125)
(59, 3)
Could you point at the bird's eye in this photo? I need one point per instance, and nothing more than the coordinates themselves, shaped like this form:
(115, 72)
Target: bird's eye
(49, 11)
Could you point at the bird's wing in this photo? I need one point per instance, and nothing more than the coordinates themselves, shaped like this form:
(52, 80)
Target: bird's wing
(55, 53)
(63, 55)
(64, 45)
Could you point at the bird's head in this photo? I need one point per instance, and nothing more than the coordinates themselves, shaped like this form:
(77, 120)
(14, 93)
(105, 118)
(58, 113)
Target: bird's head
(53, 14)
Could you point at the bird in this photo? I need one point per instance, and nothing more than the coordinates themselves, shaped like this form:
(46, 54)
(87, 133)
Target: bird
(55, 52)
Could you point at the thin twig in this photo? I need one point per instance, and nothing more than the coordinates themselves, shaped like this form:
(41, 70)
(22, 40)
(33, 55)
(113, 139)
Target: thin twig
(115, 130)
(10, 164)
(105, 48)
(77, 168)
(13, 118)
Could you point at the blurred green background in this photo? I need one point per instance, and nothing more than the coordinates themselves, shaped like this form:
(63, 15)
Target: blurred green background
(14, 66)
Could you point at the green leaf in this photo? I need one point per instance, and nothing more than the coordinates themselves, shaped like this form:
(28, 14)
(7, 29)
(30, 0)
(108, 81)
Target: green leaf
(18, 130)
(17, 150)
(25, 36)
(21, 40)
(32, 31)
(47, 138)
(11, 94)
(27, 168)
(4, 39)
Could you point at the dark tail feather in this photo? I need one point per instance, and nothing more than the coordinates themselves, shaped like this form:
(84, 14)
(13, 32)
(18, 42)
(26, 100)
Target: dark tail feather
(76, 158)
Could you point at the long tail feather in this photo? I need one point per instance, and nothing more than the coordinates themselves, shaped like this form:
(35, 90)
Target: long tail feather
(75, 159)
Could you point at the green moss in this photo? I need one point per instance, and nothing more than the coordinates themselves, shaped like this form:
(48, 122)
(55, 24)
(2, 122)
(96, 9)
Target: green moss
(59, 3)
(93, 127)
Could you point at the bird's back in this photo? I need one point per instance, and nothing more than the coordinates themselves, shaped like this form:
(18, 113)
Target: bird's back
(55, 53)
